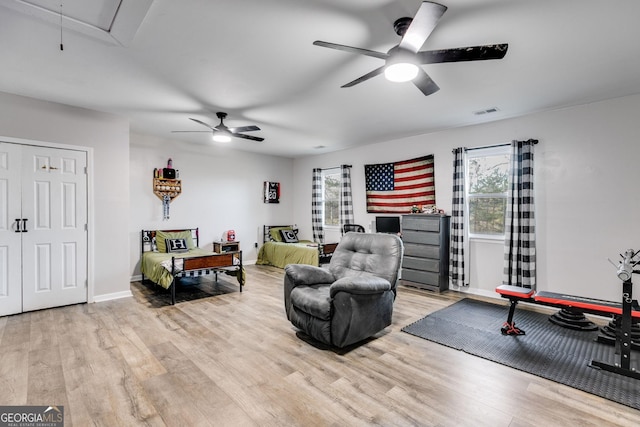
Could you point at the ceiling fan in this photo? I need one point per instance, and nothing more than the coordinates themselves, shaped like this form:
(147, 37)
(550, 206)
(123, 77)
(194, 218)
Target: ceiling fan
(222, 133)
(402, 61)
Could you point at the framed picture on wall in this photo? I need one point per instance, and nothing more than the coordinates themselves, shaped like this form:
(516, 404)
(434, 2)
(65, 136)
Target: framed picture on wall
(271, 192)
(399, 187)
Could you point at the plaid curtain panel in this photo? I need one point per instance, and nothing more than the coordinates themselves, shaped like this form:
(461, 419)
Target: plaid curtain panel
(456, 247)
(316, 206)
(520, 229)
(346, 200)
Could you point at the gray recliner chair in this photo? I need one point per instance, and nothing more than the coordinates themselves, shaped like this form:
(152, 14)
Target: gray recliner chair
(350, 300)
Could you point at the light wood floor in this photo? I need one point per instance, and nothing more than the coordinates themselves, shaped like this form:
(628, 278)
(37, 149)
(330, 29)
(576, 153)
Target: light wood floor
(233, 359)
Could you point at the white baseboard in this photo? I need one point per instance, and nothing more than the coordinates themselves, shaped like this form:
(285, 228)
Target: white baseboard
(476, 291)
(113, 296)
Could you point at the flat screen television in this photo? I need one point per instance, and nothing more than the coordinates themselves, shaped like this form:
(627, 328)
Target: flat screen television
(388, 224)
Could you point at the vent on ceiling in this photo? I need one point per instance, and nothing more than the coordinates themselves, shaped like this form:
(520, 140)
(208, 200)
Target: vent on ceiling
(487, 111)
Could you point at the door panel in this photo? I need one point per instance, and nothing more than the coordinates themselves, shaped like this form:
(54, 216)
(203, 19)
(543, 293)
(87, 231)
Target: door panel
(42, 208)
(10, 242)
(42, 267)
(55, 245)
(69, 265)
(69, 208)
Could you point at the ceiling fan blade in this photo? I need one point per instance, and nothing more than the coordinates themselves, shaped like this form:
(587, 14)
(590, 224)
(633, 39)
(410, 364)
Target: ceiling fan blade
(352, 49)
(472, 53)
(190, 131)
(422, 26)
(425, 84)
(250, 137)
(244, 129)
(365, 77)
(202, 123)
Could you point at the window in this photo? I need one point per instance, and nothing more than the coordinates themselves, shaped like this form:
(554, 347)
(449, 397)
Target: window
(331, 182)
(487, 186)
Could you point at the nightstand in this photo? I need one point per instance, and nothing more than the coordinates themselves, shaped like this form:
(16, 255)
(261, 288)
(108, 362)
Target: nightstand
(222, 247)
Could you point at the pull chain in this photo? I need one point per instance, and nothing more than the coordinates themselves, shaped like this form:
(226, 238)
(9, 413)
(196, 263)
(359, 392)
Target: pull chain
(61, 45)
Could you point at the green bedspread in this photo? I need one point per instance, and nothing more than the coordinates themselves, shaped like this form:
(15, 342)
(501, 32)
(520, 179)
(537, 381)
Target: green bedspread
(152, 267)
(279, 254)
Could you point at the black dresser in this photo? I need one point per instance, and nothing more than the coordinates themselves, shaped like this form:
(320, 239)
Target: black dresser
(426, 251)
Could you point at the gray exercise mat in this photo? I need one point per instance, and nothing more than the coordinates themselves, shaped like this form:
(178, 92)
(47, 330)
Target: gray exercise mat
(547, 350)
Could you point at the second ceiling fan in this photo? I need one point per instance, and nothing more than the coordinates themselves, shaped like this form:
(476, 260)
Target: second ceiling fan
(222, 133)
(402, 61)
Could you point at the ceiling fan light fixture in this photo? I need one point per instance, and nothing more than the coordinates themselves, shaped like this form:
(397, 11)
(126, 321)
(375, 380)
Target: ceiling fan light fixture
(221, 137)
(401, 72)
(400, 66)
(404, 61)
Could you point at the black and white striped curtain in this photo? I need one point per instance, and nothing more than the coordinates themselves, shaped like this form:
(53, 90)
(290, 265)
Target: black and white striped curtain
(316, 206)
(456, 247)
(520, 229)
(346, 199)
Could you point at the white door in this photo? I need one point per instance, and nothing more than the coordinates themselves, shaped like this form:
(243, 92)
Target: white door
(10, 238)
(54, 243)
(43, 227)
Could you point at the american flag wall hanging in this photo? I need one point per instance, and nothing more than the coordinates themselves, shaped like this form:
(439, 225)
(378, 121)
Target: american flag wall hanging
(396, 187)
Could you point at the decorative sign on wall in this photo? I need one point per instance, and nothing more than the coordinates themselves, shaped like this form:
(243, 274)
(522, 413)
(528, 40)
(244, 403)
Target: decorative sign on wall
(166, 186)
(271, 192)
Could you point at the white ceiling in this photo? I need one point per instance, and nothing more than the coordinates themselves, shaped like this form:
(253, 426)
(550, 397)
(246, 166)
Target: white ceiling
(160, 62)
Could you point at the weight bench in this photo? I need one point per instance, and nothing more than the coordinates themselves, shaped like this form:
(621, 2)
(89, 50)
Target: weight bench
(551, 299)
(628, 310)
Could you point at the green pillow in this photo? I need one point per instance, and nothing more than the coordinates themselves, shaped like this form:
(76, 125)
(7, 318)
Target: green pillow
(275, 234)
(162, 235)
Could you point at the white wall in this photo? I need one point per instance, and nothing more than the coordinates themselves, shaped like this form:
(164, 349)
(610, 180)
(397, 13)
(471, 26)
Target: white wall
(586, 187)
(221, 190)
(108, 136)
(587, 202)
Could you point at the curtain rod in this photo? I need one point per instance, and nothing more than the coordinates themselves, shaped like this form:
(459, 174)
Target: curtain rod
(335, 167)
(535, 141)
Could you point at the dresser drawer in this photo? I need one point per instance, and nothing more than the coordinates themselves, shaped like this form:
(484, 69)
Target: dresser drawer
(424, 237)
(422, 251)
(425, 264)
(421, 223)
(426, 277)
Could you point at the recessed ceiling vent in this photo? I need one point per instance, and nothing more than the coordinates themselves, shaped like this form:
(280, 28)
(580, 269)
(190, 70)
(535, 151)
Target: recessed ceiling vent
(487, 111)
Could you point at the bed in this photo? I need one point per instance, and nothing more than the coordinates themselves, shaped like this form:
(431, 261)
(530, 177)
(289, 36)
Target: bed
(279, 251)
(167, 255)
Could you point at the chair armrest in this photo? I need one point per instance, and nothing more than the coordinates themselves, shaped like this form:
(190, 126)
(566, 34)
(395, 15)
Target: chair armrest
(303, 274)
(361, 285)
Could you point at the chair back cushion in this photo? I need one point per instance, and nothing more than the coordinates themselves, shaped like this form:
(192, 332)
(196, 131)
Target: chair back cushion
(352, 227)
(374, 254)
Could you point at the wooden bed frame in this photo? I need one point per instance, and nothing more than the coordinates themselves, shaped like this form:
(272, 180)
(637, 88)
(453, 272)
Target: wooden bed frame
(196, 265)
